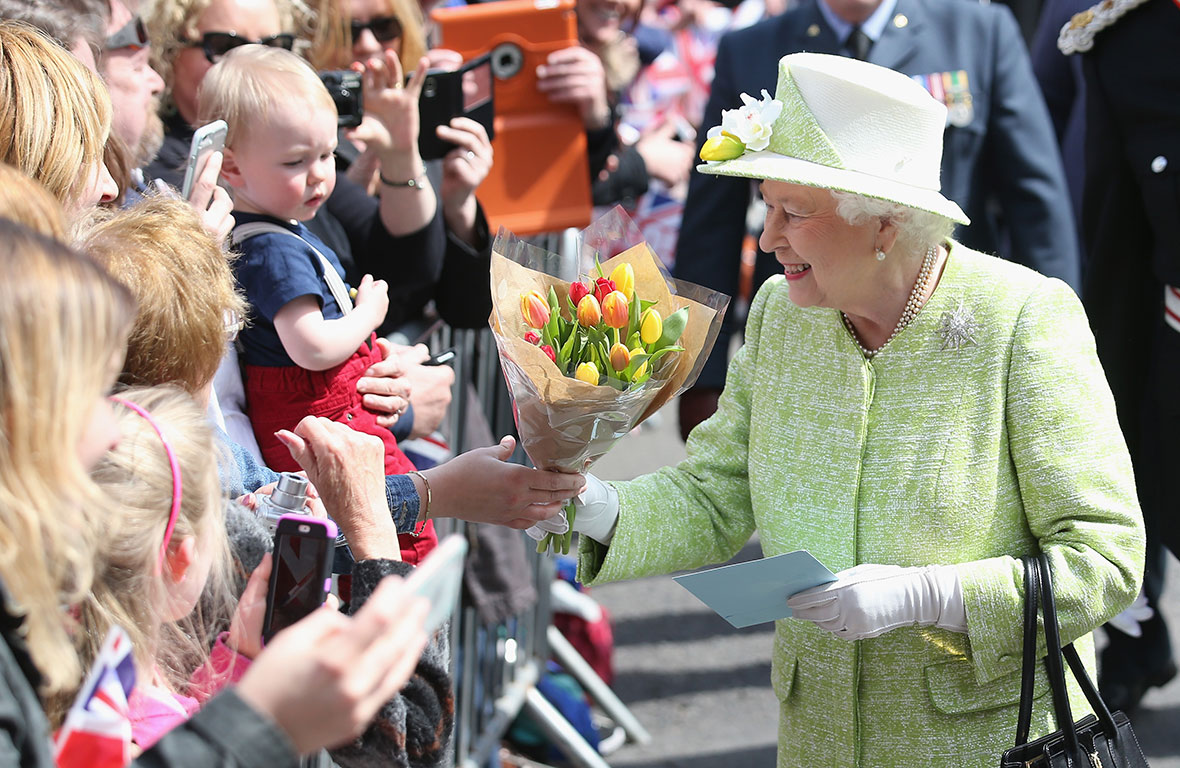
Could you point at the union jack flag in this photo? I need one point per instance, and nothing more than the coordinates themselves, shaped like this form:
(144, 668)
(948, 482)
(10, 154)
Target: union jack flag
(97, 729)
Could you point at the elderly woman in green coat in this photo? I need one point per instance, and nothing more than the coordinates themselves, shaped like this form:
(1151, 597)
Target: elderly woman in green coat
(915, 414)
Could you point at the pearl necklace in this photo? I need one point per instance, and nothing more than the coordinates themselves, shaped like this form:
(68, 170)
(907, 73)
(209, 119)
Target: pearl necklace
(913, 306)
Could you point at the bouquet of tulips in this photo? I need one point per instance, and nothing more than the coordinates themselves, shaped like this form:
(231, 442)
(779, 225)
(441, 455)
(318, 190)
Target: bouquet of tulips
(605, 334)
(592, 343)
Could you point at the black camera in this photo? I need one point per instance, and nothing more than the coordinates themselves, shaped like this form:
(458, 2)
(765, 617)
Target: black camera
(345, 87)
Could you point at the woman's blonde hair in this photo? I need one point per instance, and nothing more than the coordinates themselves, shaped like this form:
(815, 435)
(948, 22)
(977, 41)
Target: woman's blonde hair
(129, 588)
(245, 86)
(26, 201)
(55, 114)
(181, 278)
(172, 24)
(63, 322)
(331, 46)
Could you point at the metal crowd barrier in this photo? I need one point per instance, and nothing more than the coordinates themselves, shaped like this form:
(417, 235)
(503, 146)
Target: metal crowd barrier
(496, 667)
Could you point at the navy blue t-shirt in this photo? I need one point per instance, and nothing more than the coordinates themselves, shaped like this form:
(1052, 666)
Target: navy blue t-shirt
(273, 270)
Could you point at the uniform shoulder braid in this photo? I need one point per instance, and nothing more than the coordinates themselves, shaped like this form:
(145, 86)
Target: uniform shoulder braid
(1077, 36)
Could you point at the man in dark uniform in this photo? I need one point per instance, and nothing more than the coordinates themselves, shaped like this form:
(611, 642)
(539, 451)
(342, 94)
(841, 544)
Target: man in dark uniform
(1131, 289)
(1000, 158)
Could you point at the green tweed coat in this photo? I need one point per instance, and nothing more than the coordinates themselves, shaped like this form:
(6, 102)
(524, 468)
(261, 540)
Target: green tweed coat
(928, 454)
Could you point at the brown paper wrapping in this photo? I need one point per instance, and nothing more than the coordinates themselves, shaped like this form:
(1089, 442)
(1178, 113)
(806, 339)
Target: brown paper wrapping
(565, 423)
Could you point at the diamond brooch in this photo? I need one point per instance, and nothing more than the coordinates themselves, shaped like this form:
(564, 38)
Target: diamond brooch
(957, 327)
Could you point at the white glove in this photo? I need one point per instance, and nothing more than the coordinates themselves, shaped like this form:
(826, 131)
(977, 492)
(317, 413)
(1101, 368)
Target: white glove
(869, 600)
(1135, 614)
(555, 524)
(597, 510)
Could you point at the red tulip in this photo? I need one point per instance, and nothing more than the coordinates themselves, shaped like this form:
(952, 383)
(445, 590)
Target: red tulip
(577, 291)
(548, 350)
(603, 286)
(532, 338)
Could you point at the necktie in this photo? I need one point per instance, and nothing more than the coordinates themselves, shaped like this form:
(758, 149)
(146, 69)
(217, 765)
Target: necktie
(859, 43)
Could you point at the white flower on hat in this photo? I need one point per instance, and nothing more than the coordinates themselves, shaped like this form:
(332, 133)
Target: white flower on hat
(751, 125)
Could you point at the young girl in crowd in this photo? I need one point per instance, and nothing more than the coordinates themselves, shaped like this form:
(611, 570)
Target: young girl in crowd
(309, 340)
(164, 573)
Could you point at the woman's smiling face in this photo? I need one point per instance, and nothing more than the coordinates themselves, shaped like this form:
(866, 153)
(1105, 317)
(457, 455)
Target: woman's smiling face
(826, 260)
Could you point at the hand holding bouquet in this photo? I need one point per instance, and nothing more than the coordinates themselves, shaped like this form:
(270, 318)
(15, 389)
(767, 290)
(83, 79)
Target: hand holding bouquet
(586, 361)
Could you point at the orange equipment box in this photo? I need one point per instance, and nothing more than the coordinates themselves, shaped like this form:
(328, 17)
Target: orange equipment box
(540, 180)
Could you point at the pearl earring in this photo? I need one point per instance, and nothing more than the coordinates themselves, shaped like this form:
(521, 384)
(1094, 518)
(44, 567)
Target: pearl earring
(880, 255)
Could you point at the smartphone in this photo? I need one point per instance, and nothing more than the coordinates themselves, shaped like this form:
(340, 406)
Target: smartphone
(206, 140)
(301, 571)
(345, 87)
(438, 578)
(464, 92)
(442, 358)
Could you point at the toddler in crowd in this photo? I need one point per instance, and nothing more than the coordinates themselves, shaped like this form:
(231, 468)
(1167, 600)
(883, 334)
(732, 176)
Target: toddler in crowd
(156, 567)
(307, 342)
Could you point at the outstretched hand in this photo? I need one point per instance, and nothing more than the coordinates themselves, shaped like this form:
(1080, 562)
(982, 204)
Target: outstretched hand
(482, 486)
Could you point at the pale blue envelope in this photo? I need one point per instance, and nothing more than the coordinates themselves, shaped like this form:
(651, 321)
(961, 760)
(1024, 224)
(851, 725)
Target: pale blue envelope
(745, 594)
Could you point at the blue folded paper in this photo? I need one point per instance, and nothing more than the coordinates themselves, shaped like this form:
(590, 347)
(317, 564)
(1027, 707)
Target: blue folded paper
(745, 594)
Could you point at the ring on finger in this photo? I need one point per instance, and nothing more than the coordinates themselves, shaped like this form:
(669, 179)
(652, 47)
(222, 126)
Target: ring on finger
(470, 156)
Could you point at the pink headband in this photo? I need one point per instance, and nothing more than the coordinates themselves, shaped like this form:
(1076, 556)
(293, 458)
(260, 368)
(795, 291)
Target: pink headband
(175, 466)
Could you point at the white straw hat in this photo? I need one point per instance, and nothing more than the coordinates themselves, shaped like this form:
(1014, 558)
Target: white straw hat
(845, 125)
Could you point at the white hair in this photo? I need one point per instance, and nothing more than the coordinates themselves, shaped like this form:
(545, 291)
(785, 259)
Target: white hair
(916, 230)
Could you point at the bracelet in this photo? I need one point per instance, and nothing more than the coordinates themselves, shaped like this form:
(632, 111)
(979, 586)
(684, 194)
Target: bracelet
(418, 182)
(423, 511)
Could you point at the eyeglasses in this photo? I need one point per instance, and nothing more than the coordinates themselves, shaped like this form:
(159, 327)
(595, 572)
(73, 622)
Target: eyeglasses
(385, 29)
(217, 44)
(130, 35)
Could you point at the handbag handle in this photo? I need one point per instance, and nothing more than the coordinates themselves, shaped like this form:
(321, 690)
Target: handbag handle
(1032, 589)
(1053, 663)
(1038, 583)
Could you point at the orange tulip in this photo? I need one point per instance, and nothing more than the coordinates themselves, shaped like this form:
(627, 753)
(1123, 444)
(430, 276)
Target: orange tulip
(615, 310)
(620, 357)
(534, 309)
(589, 313)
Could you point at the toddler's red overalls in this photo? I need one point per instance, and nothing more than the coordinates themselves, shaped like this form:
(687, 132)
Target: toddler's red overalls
(279, 397)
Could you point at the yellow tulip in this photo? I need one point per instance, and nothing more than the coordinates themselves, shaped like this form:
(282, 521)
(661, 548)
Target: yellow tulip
(534, 309)
(615, 310)
(723, 146)
(620, 357)
(587, 372)
(589, 313)
(651, 326)
(642, 369)
(624, 278)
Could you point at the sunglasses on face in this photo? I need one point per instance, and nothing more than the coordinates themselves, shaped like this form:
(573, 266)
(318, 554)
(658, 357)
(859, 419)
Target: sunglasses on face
(130, 35)
(217, 44)
(385, 29)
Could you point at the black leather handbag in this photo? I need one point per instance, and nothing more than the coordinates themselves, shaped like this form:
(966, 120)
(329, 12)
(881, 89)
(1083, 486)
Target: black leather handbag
(1102, 741)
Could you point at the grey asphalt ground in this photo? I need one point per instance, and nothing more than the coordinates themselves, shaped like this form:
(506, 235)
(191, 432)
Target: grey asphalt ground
(702, 688)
